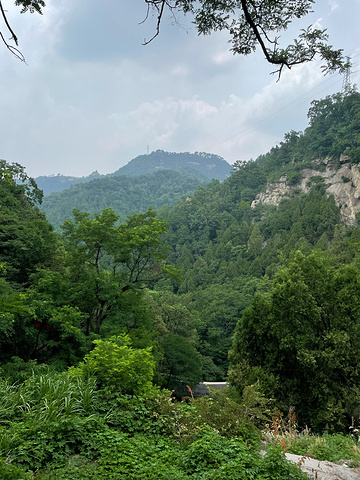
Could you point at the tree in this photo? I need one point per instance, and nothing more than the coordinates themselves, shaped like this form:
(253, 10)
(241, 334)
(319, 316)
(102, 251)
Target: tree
(27, 239)
(255, 242)
(253, 24)
(107, 260)
(300, 341)
(181, 363)
(34, 326)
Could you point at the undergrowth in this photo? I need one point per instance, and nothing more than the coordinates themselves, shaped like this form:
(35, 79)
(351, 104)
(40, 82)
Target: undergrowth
(62, 427)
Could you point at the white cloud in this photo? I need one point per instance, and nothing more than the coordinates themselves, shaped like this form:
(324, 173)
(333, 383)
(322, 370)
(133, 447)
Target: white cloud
(334, 5)
(225, 56)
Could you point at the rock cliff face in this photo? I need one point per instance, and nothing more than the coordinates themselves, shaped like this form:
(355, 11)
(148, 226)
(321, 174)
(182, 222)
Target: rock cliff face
(343, 184)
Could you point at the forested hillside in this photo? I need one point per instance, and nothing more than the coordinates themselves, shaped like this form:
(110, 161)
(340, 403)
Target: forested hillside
(99, 322)
(228, 250)
(124, 193)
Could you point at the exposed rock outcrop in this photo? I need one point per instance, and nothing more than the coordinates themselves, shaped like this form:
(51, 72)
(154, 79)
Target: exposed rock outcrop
(343, 184)
(315, 469)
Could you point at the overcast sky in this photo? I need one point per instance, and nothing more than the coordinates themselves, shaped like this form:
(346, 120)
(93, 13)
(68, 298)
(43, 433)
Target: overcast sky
(91, 97)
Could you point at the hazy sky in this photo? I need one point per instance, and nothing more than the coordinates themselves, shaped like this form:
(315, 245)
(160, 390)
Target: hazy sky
(91, 97)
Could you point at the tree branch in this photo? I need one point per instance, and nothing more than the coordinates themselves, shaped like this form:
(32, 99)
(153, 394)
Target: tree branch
(13, 37)
(160, 14)
(259, 38)
(13, 50)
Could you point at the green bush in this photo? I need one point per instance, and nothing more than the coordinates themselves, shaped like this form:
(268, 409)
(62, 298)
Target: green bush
(115, 364)
(210, 452)
(152, 413)
(229, 418)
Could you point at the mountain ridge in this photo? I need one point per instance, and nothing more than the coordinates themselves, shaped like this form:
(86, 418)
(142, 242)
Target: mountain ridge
(199, 164)
(207, 165)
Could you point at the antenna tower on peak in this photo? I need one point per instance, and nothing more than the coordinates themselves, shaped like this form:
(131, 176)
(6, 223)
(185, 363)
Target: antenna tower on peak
(346, 86)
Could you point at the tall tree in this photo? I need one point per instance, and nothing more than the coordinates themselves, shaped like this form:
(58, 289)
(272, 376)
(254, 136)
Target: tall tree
(27, 240)
(107, 260)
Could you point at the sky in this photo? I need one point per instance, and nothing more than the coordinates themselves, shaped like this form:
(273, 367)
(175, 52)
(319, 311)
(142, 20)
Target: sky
(92, 97)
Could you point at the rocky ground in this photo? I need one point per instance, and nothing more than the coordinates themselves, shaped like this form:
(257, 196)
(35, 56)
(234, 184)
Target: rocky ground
(324, 470)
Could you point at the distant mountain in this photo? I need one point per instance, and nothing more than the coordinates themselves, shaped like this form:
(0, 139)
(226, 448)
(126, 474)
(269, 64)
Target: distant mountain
(206, 164)
(124, 193)
(57, 183)
(201, 165)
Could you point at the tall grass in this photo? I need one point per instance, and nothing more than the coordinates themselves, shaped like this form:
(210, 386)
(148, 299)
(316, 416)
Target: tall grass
(44, 417)
(45, 398)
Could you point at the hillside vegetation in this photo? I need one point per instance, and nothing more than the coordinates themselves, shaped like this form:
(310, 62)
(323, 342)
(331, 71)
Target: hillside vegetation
(100, 323)
(124, 193)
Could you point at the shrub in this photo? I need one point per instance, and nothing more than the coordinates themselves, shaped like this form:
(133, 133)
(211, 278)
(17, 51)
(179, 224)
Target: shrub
(115, 364)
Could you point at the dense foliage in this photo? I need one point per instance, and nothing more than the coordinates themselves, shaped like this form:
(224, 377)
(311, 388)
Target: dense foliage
(27, 239)
(301, 341)
(61, 426)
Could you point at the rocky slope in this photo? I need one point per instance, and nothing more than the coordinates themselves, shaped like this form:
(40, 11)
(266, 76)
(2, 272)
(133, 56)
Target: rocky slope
(343, 184)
